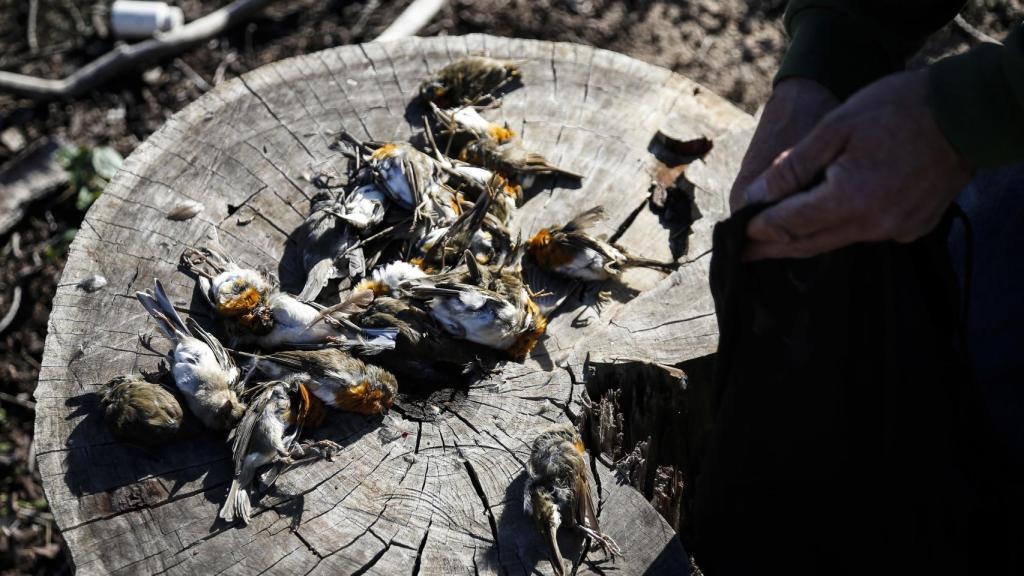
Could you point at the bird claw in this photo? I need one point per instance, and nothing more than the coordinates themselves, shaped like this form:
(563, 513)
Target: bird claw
(319, 449)
(608, 546)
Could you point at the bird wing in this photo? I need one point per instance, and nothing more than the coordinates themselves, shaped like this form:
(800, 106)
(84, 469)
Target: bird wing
(243, 432)
(577, 241)
(584, 220)
(584, 514)
(223, 359)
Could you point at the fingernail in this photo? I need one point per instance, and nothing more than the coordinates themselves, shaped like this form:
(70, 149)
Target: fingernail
(757, 192)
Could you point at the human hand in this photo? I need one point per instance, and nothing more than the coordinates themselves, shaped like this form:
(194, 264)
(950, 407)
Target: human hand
(889, 174)
(795, 107)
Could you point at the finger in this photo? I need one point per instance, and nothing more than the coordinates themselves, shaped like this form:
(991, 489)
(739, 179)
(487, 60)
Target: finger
(817, 209)
(806, 247)
(798, 167)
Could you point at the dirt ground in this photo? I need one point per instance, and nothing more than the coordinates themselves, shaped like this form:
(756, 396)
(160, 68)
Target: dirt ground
(731, 47)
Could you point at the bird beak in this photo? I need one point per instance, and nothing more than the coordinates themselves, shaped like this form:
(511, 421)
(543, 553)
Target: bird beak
(556, 555)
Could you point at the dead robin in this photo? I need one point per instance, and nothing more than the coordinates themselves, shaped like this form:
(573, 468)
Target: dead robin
(267, 435)
(469, 81)
(570, 251)
(557, 491)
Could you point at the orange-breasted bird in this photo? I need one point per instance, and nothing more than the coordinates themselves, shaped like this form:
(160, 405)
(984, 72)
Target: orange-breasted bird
(266, 435)
(336, 378)
(491, 307)
(557, 491)
(469, 81)
(466, 119)
(415, 181)
(568, 250)
(256, 311)
(424, 352)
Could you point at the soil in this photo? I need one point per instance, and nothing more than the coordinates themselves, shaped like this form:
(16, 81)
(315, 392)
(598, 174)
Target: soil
(731, 47)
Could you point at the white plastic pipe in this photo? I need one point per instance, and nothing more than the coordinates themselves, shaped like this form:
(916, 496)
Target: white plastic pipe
(134, 19)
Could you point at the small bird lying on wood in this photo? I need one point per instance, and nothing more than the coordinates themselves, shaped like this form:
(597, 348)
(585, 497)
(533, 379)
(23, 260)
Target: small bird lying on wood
(266, 435)
(203, 372)
(557, 491)
(141, 412)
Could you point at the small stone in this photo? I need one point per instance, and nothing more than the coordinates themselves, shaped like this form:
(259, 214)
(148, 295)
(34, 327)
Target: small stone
(12, 139)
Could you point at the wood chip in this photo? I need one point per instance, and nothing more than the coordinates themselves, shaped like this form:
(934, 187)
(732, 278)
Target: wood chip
(185, 211)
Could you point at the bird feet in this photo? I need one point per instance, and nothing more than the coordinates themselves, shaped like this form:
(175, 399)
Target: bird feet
(319, 449)
(605, 541)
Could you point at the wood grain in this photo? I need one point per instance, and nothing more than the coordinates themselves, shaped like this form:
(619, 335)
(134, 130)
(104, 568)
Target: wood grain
(436, 489)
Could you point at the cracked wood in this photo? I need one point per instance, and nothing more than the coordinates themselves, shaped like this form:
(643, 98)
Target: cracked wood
(432, 495)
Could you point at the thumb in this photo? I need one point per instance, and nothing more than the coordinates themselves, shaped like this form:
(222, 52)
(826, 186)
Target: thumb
(799, 167)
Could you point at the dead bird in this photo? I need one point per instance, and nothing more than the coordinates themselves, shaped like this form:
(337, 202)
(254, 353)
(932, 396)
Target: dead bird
(424, 351)
(491, 307)
(557, 491)
(386, 279)
(267, 435)
(203, 372)
(329, 246)
(141, 412)
(336, 378)
(469, 80)
(259, 313)
(512, 160)
(570, 251)
(466, 119)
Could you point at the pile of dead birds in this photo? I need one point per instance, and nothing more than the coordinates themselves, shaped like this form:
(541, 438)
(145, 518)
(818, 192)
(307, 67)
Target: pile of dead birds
(427, 283)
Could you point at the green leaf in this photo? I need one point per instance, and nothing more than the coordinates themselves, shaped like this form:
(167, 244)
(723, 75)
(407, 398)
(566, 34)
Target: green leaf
(106, 162)
(85, 198)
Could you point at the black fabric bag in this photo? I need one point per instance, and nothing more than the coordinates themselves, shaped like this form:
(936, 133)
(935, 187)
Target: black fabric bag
(846, 431)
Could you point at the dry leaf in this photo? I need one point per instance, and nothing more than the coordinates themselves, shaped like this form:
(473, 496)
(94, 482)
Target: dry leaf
(185, 211)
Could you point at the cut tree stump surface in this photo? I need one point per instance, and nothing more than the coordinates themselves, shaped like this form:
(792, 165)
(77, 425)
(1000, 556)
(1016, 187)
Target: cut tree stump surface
(436, 489)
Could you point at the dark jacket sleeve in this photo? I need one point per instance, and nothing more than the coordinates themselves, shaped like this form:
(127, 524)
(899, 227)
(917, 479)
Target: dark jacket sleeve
(977, 97)
(978, 100)
(847, 44)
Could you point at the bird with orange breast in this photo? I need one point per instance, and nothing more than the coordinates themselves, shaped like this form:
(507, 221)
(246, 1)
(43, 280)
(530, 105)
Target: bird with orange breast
(489, 306)
(336, 378)
(570, 251)
(256, 311)
(276, 416)
(557, 491)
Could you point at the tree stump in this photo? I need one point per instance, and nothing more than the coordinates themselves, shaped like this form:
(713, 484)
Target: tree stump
(438, 488)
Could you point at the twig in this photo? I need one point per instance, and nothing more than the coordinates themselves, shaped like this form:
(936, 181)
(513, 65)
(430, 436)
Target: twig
(15, 400)
(969, 29)
(194, 76)
(33, 15)
(13, 311)
(410, 21)
(125, 56)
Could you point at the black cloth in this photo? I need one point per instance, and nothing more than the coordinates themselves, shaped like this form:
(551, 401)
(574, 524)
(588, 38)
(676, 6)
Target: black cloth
(847, 432)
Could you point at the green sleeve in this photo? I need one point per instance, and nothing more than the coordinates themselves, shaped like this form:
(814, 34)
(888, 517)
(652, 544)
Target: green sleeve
(847, 44)
(978, 101)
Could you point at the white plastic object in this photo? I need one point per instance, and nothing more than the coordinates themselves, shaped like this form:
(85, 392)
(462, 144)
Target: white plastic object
(134, 19)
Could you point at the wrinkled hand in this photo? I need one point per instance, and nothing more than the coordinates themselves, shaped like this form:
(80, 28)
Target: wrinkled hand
(889, 174)
(795, 107)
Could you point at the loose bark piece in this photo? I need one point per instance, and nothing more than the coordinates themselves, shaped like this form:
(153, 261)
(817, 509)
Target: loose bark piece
(436, 486)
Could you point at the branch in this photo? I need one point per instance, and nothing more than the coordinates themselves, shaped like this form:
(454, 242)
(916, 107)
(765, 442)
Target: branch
(414, 18)
(973, 31)
(128, 55)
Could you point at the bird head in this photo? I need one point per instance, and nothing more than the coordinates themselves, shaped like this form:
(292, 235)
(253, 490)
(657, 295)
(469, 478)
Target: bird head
(526, 341)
